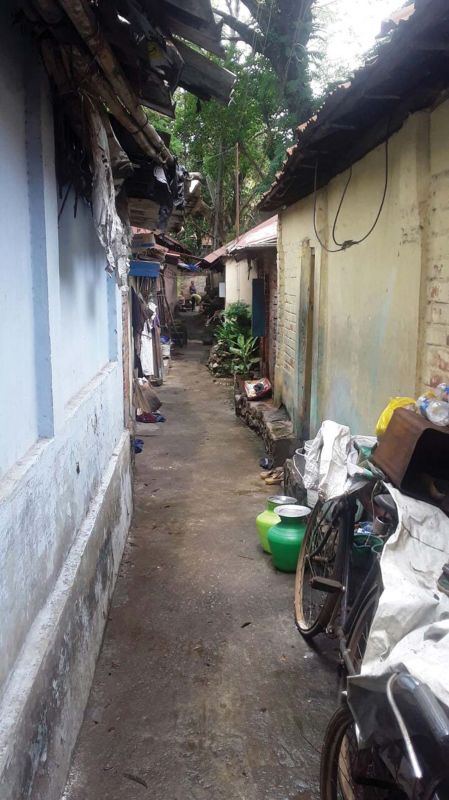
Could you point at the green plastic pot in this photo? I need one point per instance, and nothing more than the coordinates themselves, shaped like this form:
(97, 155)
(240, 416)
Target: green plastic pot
(268, 518)
(364, 545)
(285, 538)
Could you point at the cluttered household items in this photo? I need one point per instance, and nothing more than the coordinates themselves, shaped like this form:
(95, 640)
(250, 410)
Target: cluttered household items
(372, 573)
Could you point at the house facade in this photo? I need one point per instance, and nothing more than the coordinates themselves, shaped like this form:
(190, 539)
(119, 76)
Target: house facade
(249, 272)
(65, 480)
(359, 323)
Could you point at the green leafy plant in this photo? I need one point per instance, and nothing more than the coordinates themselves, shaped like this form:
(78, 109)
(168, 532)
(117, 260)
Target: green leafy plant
(235, 350)
(226, 332)
(244, 352)
(239, 315)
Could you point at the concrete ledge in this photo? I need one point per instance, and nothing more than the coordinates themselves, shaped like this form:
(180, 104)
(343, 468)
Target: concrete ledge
(43, 703)
(272, 424)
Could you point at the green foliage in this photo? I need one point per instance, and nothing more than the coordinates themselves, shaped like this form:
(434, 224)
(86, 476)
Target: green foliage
(239, 313)
(253, 118)
(226, 333)
(244, 352)
(166, 125)
(276, 55)
(235, 349)
(195, 228)
(205, 133)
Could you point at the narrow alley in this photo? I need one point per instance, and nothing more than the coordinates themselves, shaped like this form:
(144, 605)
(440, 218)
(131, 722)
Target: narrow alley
(204, 688)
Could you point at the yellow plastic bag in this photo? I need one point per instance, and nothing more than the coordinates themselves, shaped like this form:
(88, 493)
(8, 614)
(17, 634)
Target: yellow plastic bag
(387, 413)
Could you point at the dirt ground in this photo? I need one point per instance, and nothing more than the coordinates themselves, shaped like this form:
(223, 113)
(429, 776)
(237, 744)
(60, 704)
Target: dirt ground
(204, 690)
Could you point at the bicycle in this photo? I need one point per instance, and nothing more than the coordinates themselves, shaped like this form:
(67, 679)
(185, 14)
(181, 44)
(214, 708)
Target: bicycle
(397, 751)
(331, 594)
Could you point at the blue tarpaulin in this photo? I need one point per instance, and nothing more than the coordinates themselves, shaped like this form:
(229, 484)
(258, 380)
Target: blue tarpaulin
(144, 269)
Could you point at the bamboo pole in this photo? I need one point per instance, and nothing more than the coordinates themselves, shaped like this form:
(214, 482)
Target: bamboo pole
(98, 85)
(87, 26)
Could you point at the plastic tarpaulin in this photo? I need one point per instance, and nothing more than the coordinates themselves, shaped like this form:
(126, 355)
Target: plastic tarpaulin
(113, 233)
(411, 626)
(331, 461)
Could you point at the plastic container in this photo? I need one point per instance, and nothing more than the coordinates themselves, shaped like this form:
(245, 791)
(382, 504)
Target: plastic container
(268, 518)
(433, 409)
(364, 544)
(442, 391)
(285, 538)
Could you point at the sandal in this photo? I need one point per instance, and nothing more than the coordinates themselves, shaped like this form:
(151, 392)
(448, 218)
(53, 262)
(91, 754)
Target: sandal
(276, 477)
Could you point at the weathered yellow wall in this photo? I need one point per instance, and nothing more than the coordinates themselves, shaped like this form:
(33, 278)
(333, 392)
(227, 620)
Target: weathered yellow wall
(238, 281)
(434, 365)
(381, 316)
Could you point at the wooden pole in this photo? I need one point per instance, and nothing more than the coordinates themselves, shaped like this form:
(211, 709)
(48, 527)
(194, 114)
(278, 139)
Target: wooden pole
(84, 20)
(218, 193)
(237, 191)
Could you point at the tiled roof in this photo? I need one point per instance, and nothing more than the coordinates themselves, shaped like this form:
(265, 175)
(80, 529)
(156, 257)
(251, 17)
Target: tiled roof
(406, 72)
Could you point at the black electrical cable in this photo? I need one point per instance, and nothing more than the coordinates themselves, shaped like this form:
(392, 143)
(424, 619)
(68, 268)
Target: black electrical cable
(327, 249)
(340, 244)
(350, 242)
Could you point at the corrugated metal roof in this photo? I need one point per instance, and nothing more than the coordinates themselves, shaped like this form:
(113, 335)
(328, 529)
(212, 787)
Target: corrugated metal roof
(263, 235)
(220, 252)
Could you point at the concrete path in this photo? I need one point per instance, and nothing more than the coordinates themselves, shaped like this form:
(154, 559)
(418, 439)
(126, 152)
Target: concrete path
(204, 690)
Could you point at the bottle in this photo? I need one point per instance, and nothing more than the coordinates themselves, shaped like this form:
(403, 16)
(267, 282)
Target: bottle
(433, 409)
(442, 391)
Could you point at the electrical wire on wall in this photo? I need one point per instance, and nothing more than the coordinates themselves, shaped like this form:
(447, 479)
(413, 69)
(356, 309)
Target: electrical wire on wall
(340, 246)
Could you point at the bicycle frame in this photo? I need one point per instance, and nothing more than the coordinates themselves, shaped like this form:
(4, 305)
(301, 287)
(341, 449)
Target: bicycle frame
(347, 616)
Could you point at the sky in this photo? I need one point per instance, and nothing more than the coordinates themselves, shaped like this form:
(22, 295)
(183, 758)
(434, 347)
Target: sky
(351, 28)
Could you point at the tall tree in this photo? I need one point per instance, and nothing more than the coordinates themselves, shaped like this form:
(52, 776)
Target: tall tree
(279, 30)
(205, 136)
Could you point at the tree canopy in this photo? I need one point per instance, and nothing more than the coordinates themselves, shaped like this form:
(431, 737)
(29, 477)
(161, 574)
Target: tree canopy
(204, 136)
(278, 30)
(272, 49)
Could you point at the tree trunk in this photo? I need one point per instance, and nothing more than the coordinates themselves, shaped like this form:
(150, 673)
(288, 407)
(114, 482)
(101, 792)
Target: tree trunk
(280, 31)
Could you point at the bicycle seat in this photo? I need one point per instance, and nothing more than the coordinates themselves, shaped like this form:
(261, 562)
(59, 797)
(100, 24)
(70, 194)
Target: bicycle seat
(386, 503)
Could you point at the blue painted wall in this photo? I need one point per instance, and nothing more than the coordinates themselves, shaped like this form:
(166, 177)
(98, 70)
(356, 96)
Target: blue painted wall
(64, 454)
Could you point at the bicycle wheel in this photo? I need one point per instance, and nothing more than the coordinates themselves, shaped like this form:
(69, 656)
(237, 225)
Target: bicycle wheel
(339, 779)
(358, 635)
(321, 556)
